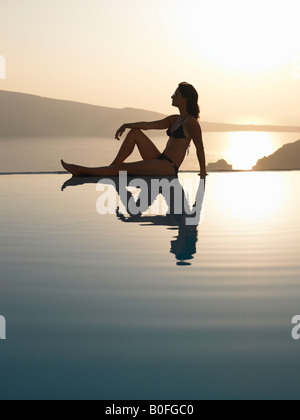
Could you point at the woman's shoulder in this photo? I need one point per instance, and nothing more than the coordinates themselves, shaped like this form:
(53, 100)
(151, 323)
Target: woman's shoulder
(192, 125)
(192, 121)
(173, 117)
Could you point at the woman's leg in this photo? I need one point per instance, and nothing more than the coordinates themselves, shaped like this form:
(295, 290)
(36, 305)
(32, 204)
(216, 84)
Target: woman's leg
(143, 168)
(147, 148)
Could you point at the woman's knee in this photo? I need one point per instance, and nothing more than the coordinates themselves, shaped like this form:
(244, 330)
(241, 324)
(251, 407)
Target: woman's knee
(135, 135)
(135, 132)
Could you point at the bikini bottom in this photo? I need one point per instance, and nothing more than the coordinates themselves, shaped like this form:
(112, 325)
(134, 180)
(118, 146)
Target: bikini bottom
(164, 157)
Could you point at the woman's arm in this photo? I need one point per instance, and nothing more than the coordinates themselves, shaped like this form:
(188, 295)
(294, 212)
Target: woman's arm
(155, 125)
(196, 134)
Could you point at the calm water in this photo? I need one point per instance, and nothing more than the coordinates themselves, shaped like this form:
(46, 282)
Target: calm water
(104, 307)
(242, 150)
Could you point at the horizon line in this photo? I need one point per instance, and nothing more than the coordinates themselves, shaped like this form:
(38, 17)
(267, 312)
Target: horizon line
(135, 176)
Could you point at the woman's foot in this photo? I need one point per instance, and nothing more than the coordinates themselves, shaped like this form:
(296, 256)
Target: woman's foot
(74, 169)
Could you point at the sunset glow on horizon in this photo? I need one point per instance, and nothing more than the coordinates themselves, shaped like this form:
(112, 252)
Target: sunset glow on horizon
(246, 148)
(243, 57)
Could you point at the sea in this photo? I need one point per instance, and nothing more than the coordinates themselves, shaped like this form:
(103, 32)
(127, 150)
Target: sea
(240, 149)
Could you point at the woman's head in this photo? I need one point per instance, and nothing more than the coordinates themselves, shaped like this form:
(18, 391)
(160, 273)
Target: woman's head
(189, 92)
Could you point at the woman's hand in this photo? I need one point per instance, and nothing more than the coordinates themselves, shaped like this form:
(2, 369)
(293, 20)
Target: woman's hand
(120, 132)
(203, 174)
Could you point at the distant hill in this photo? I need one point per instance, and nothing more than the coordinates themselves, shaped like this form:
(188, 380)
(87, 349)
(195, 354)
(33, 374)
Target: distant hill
(286, 158)
(221, 127)
(24, 115)
(221, 165)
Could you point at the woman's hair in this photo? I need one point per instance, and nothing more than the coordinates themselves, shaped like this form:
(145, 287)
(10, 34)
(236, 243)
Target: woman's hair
(188, 91)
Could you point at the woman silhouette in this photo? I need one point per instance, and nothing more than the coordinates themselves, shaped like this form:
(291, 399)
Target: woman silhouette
(182, 129)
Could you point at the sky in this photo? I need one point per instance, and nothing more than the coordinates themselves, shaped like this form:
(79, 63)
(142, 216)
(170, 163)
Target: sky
(242, 56)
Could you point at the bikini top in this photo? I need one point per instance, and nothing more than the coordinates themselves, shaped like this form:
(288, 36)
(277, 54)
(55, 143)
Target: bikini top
(177, 134)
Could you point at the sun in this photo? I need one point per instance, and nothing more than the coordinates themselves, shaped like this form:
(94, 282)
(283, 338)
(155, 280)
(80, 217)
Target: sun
(239, 36)
(246, 148)
(250, 36)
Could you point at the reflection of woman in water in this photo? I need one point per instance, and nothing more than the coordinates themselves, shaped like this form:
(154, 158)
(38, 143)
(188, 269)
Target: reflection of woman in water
(185, 221)
(182, 129)
(184, 246)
